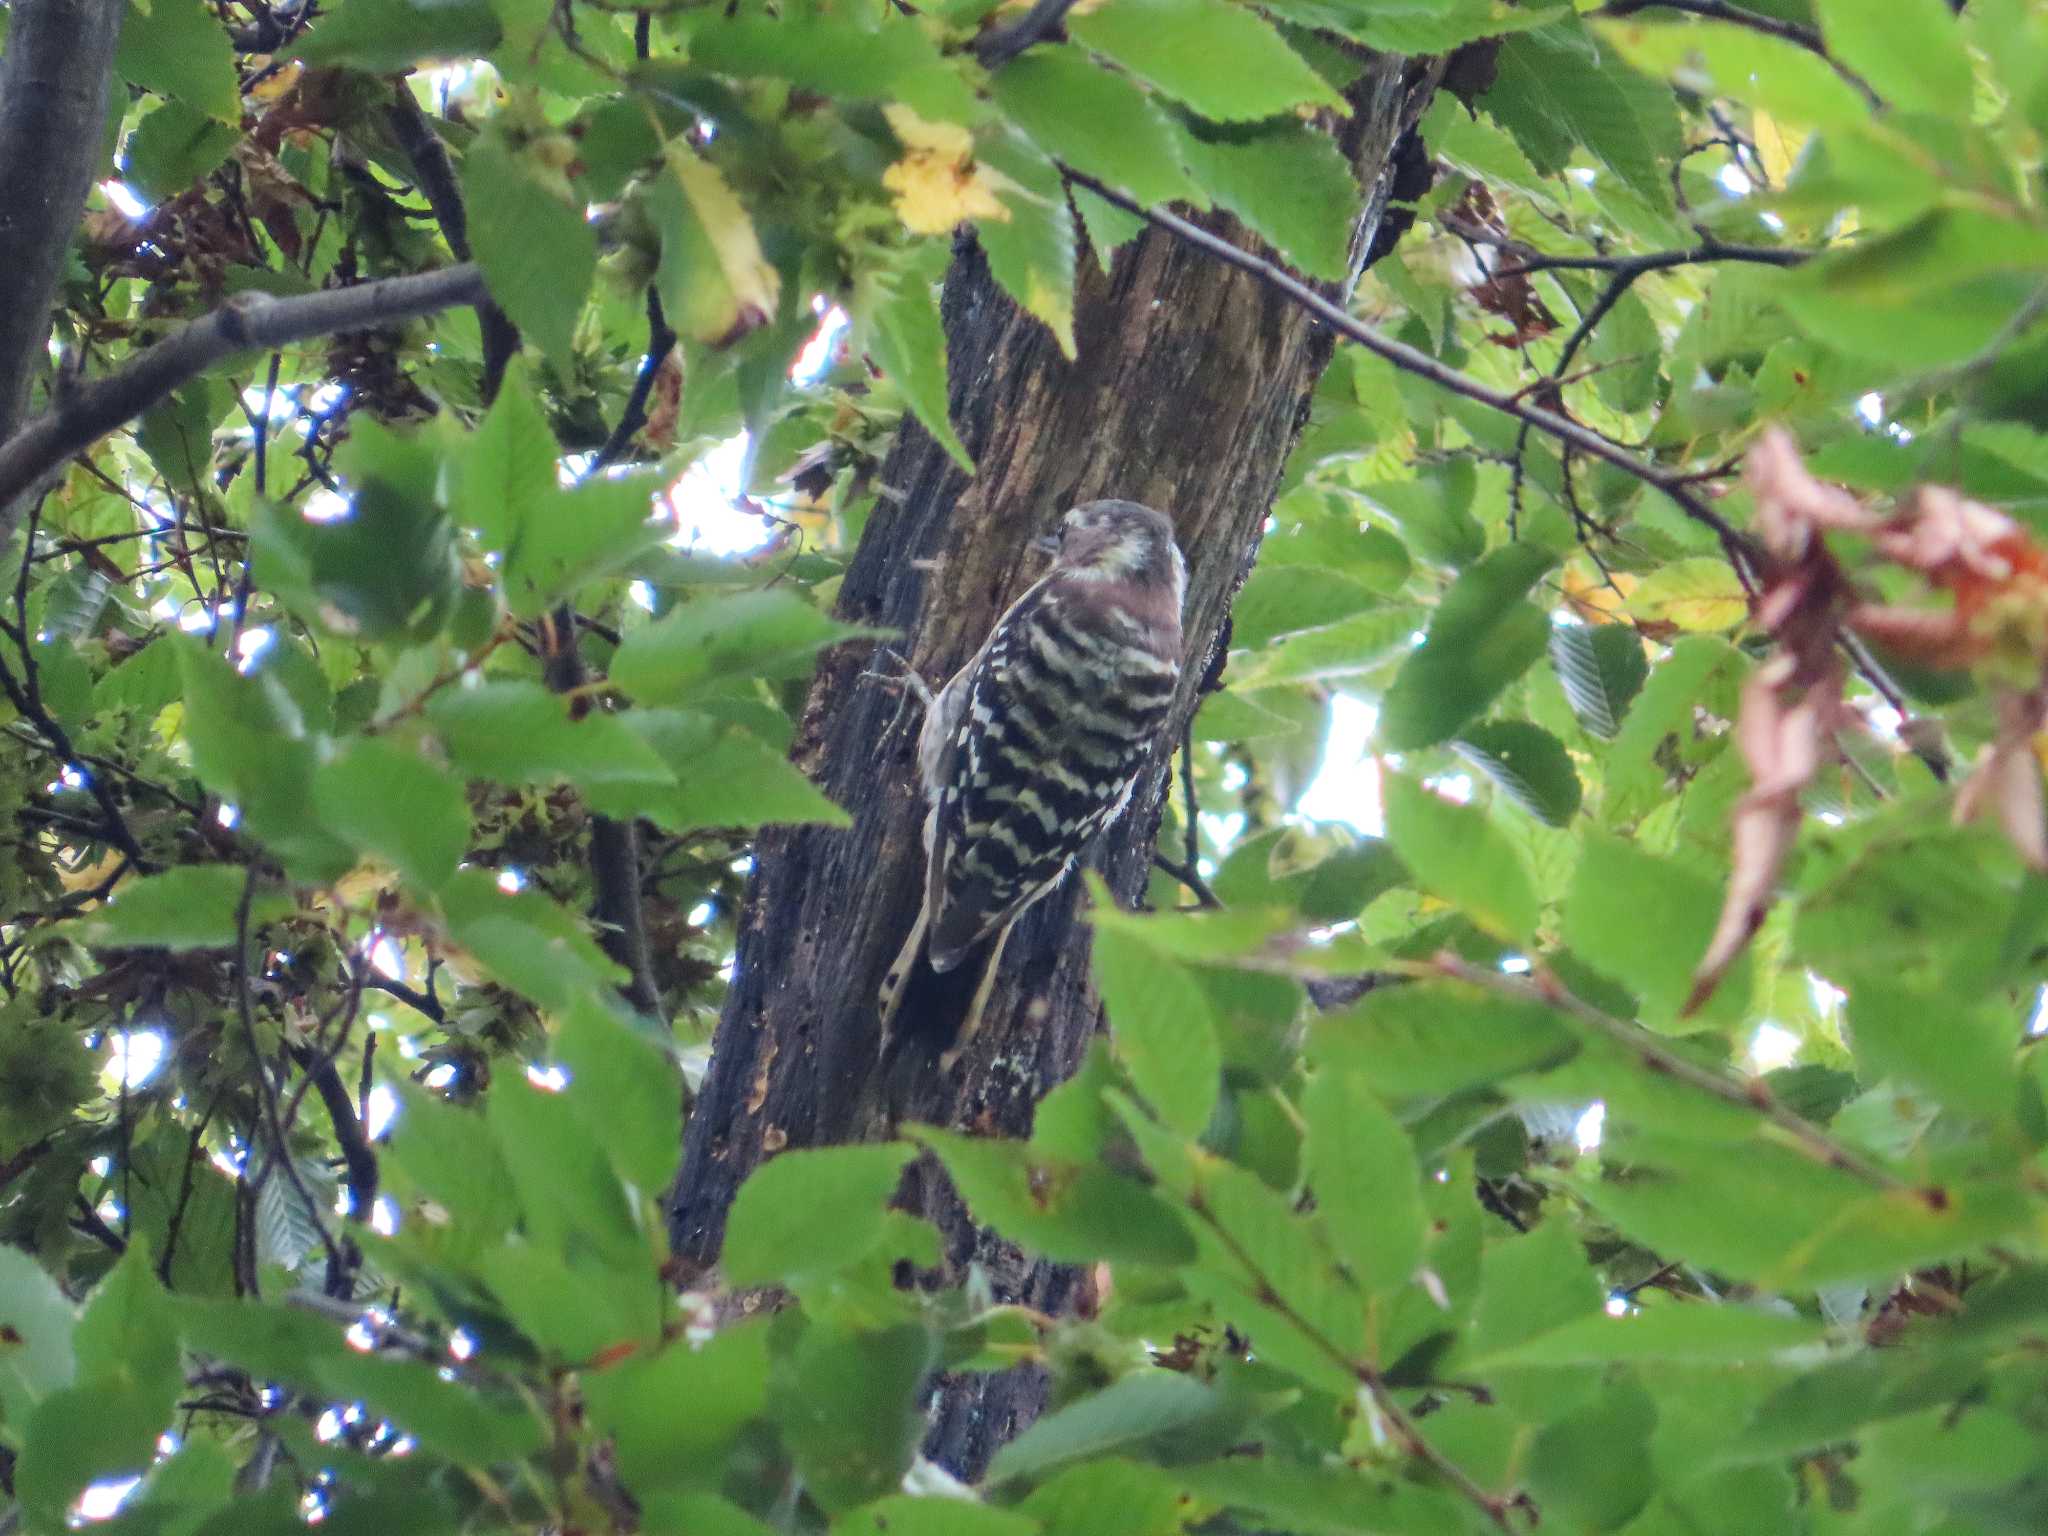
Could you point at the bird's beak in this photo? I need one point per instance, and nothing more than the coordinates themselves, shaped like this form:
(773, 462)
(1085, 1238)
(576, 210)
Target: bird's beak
(1047, 544)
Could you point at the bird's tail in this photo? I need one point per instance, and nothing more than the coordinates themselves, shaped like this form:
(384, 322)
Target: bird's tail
(944, 1009)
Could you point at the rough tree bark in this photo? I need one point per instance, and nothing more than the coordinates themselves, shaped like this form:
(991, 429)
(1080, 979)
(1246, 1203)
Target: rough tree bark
(53, 109)
(1190, 389)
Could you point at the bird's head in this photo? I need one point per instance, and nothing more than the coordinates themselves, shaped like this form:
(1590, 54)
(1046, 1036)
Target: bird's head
(1117, 541)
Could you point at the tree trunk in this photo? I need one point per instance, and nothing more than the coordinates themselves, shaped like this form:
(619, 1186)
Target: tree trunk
(53, 112)
(1191, 386)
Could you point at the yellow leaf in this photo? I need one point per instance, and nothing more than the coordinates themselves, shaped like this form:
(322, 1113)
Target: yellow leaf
(1777, 146)
(937, 183)
(717, 283)
(1595, 598)
(1700, 594)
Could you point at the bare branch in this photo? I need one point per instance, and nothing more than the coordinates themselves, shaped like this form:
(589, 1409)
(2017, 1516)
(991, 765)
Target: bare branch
(53, 102)
(1739, 547)
(1004, 44)
(247, 322)
(1527, 261)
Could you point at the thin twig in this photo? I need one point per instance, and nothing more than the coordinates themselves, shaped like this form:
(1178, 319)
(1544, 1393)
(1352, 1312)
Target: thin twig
(661, 341)
(1741, 550)
(1396, 1417)
(1658, 1057)
(1527, 261)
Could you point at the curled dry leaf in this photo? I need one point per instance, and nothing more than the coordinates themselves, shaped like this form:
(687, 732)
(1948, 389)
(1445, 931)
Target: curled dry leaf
(2007, 778)
(1792, 707)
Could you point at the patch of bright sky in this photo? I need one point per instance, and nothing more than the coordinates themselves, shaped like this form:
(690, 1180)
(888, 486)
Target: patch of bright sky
(1772, 1046)
(1346, 786)
(1590, 1126)
(137, 1054)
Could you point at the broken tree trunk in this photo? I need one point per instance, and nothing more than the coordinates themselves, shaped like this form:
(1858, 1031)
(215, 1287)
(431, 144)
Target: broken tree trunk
(1191, 386)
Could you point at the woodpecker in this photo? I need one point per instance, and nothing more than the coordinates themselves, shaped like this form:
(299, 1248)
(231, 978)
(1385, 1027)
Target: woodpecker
(1034, 746)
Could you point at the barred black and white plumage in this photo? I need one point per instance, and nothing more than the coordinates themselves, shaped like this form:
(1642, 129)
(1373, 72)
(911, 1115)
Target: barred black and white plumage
(1033, 747)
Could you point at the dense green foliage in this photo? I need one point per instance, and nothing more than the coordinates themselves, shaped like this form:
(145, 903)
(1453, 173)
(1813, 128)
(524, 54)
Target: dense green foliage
(321, 677)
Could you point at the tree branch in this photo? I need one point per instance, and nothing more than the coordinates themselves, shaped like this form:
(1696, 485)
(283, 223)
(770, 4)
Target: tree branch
(436, 174)
(247, 322)
(1740, 549)
(997, 48)
(53, 107)
(1657, 1057)
(1528, 261)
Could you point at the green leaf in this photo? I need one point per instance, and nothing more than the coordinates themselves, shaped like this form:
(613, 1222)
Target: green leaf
(1602, 668)
(387, 570)
(382, 36)
(627, 1091)
(1531, 1284)
(179, 49)
(1702, 1333)
(1697, 670)
(850, 1412)
(456, 1421)
(1362, 1168)
(192, 907)
(1124, 1415)
(506, 470)
(1072, 1213)
(1957, 1049)
(1819, 1227)
(1031, 253)
(173, 147)
(1592, 1465)
(387, 800)
(898, 318)
(1645, 921)
(571, 1200)
(1455, 852)
(525, 940)
(901, 1515)
(1288, 182)
(518, 732)
(724, 777)
(726, 1384)
(772, 633)
(569, 537)
(1482, 638)
(1221, 59)
(1163, 1029)
(1783, 79)
(128, 1383)
(538, 254)
(1416, 26)
(1527, 762)
(36, 1324)
(715, 284)
(1555, 93)
(248, 745)
(1095, 120)
(1436, 1038)
(447, 1154)
(810, 1212)
(840, 57)
(127, 1337)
